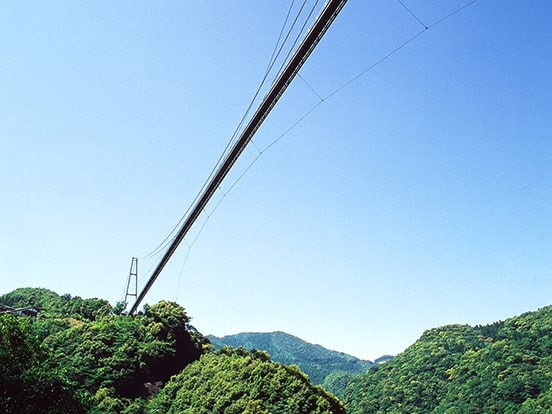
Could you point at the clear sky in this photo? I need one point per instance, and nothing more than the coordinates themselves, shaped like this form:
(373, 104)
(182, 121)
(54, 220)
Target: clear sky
(417, 196)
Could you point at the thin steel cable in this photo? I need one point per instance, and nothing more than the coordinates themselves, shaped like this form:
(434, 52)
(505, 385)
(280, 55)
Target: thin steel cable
(310, 87)
(413, 15)
(182, 271)
(384, 58)
(452, 14)
(274, 57)
(364, 72)
(303, 117)
(275, 54)
(298, 37)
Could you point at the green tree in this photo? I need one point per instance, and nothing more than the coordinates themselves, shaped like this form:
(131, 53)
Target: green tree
(238, 381)
(29, 380)
(336, 382)
(31, 297)
(123, 353)
(500, 368)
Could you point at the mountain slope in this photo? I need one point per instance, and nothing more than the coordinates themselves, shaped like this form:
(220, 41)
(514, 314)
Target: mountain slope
(238, 381)
(83, 356)
(505, 367)
(316, 361)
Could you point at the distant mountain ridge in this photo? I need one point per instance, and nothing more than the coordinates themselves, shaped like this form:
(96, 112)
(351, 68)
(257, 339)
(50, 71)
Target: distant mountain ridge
(315, 360)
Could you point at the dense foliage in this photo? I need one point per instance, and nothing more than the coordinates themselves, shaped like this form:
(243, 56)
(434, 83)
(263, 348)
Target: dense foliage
(115, 361)
(29, 378)
(320, 364)
(84, 356)
(52, 304)
(500, 368)
(124, 353)
(240, 381)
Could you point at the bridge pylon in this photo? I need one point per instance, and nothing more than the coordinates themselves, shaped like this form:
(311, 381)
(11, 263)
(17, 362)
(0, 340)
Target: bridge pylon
(132, 281)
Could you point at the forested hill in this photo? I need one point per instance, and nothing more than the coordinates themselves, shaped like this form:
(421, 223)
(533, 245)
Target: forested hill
(316, 361)
(505, 367)
(84, 356)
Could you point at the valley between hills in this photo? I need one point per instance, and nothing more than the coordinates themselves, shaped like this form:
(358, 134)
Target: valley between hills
(66, 354)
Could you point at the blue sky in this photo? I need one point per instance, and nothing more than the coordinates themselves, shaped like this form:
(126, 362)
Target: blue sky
(418, 195)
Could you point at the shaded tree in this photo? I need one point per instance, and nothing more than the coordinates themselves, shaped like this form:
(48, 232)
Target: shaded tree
(30, 381)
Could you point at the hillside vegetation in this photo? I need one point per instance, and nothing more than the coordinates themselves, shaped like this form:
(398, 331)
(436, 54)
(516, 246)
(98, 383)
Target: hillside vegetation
(321, 365)
(85, 356)
(238, 381)
(500, 368)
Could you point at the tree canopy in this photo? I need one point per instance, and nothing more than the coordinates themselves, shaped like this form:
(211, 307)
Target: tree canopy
(316, 361)
(110, 359)
(499, 368)
(29, 378)
(82, 355)
(241, 381)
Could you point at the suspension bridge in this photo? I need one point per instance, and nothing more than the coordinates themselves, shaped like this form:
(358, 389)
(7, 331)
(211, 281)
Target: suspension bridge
(279, 86)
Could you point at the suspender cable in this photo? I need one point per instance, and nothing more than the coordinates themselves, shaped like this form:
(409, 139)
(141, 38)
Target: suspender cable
(284, 78)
